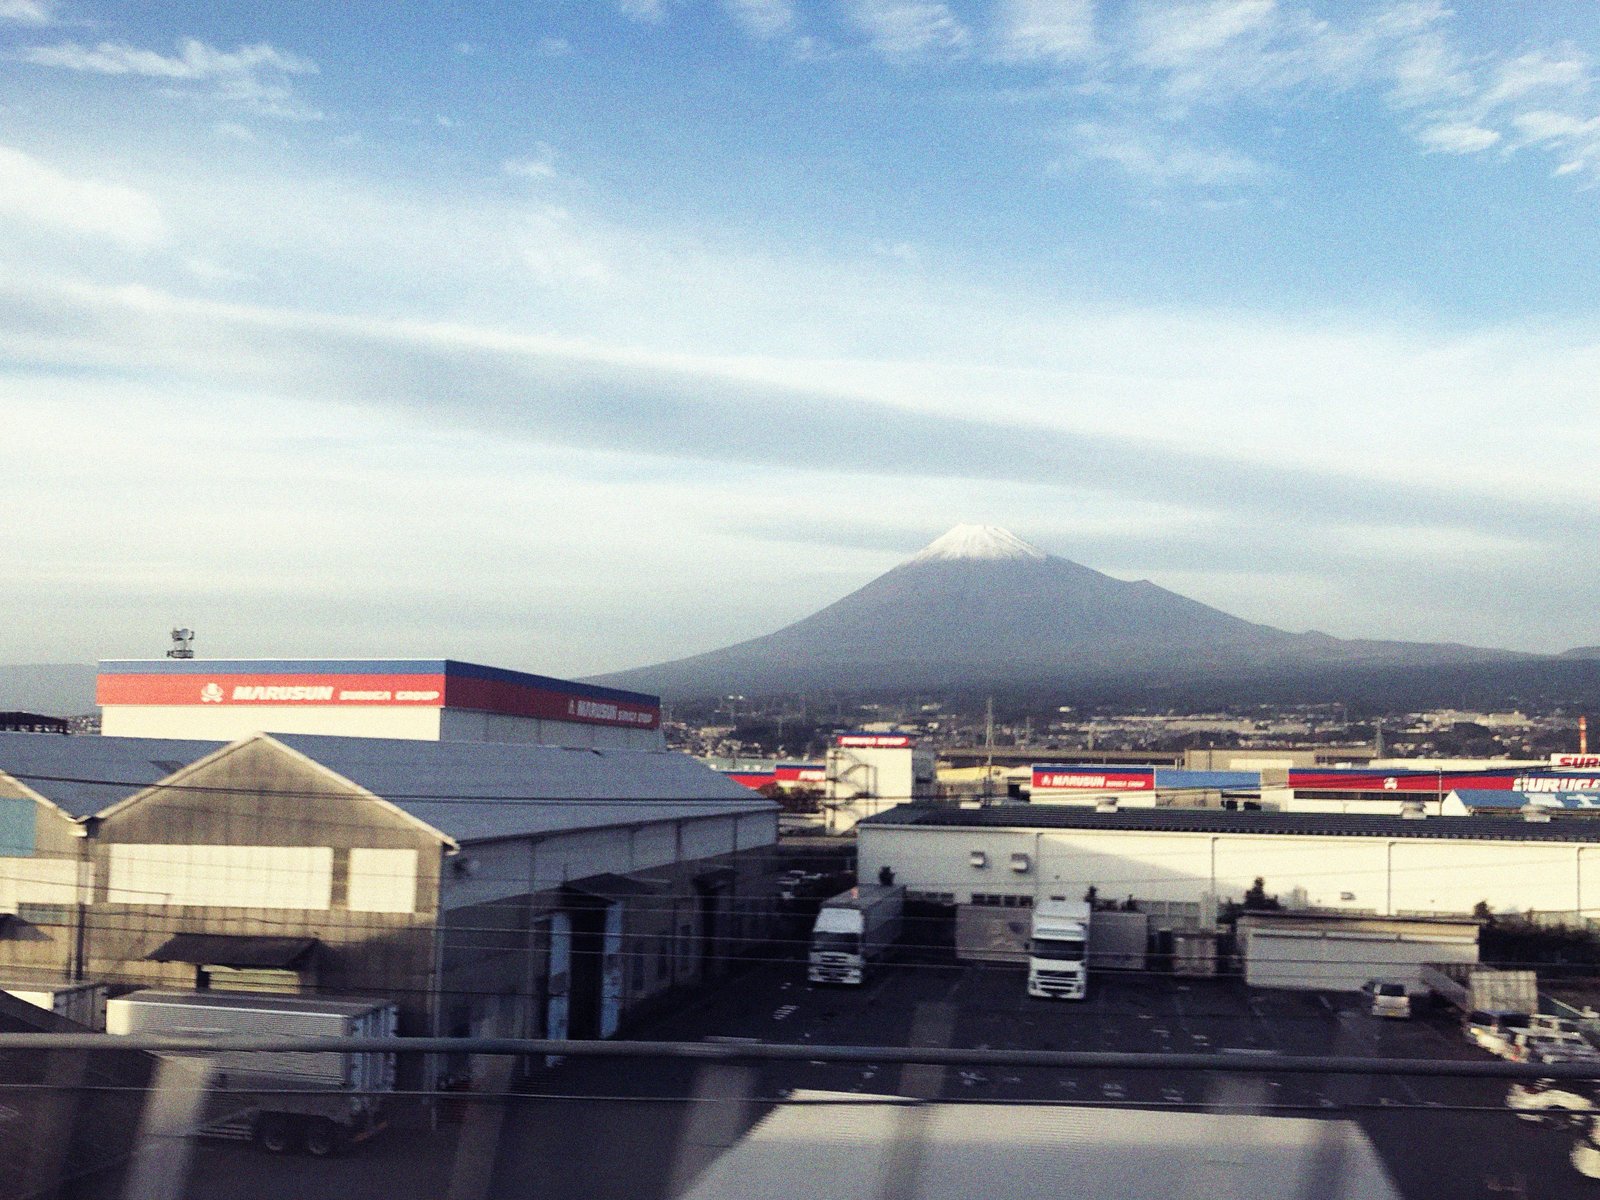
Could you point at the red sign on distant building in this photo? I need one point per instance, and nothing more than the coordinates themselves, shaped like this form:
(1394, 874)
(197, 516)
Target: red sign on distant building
(800, 773)
(1093, 779)
(876, 741)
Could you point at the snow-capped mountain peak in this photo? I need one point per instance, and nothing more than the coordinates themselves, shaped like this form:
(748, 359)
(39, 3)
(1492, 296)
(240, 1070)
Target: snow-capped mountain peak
(977, 541)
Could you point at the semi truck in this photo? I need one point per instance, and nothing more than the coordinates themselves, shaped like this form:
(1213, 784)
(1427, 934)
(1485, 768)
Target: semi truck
(853, 929)
(311, 1102)
(1058, 949)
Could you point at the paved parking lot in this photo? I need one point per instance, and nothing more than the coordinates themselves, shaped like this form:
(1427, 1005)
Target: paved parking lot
(602, 1128)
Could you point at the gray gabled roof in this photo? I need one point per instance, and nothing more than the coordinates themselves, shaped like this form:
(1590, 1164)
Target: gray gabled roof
(83, 775)
(478, 791)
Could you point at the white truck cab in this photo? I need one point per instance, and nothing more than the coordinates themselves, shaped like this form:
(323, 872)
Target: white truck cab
(1058, 950)
(853, 929)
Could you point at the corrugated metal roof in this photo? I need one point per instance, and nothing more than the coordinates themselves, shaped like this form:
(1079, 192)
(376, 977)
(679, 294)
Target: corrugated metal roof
(1212, 820)
(70, 765)
(468, 791)
(477, 791)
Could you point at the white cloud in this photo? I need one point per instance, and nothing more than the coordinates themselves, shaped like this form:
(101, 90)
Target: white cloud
(194, 60)
(764, 18)
(541, 164)
(27, 12)
(902, 252)
(38, 194)
(253, 75)
(1174, 35)
(1163, 157)
(906, 29)
(1542, 125)
(1458, 138)
(559, 253)
(652, 11)
(553, 47)
(1537, 72)
(1166, 79)
(1055, 30)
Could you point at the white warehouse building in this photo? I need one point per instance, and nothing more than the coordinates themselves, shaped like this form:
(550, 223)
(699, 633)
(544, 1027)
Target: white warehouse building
(1183, 862)
(868, 773)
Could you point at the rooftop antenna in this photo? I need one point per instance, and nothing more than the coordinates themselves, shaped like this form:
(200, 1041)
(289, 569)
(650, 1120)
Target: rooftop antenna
(182, 644)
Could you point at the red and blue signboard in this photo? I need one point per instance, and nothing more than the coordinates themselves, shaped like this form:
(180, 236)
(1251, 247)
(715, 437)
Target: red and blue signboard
(1093, 778)
(800, 773)
(431, 683)
(1438, 783)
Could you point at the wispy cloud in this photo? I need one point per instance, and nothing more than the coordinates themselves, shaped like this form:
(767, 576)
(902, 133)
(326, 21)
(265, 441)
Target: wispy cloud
(1162, 157)
(1177, 74)
(1458, 137)
(254, 76)
(38, 194)
(910, 29)
(651, 11)
(764, 18)
(27, 12)
(1051, 30)
(541, 164)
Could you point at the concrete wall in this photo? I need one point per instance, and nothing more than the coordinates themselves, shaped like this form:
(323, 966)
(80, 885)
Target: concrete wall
(1354, 874)
(43, 877)
(227, 723)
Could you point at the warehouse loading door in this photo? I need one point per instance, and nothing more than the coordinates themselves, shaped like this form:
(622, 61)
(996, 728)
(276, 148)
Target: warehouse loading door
(712, 895)
(559, 979)
(611, 972)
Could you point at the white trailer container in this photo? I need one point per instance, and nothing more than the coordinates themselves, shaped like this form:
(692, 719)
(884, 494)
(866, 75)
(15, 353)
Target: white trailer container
(84, 1003)
(853, 929)
(1058, 949)
(312, 1102)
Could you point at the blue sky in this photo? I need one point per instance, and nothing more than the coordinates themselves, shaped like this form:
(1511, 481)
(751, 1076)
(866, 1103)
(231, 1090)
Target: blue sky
(578, 335)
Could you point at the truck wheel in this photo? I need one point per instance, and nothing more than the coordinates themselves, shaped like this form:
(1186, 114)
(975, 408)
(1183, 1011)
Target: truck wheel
(323, 1137)
(275, 1133)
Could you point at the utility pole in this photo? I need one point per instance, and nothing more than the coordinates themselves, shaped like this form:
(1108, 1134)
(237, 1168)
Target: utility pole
(988, 745)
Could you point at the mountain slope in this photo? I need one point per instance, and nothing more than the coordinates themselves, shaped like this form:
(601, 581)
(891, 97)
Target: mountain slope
(979, 605)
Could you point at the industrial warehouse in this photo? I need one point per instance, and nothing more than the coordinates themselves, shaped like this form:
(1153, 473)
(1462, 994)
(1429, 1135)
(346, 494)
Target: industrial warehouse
(489, 888)
(1186, 859)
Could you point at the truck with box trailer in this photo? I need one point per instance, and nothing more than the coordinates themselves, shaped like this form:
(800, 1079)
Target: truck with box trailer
(84, 1003)
(853, 929)
(315, 1102)
(1058, 949)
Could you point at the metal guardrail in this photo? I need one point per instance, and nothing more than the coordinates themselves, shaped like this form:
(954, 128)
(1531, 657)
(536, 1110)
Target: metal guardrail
(1221, 1061)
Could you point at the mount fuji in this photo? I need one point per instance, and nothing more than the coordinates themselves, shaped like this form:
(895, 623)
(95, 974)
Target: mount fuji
(980, 607)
